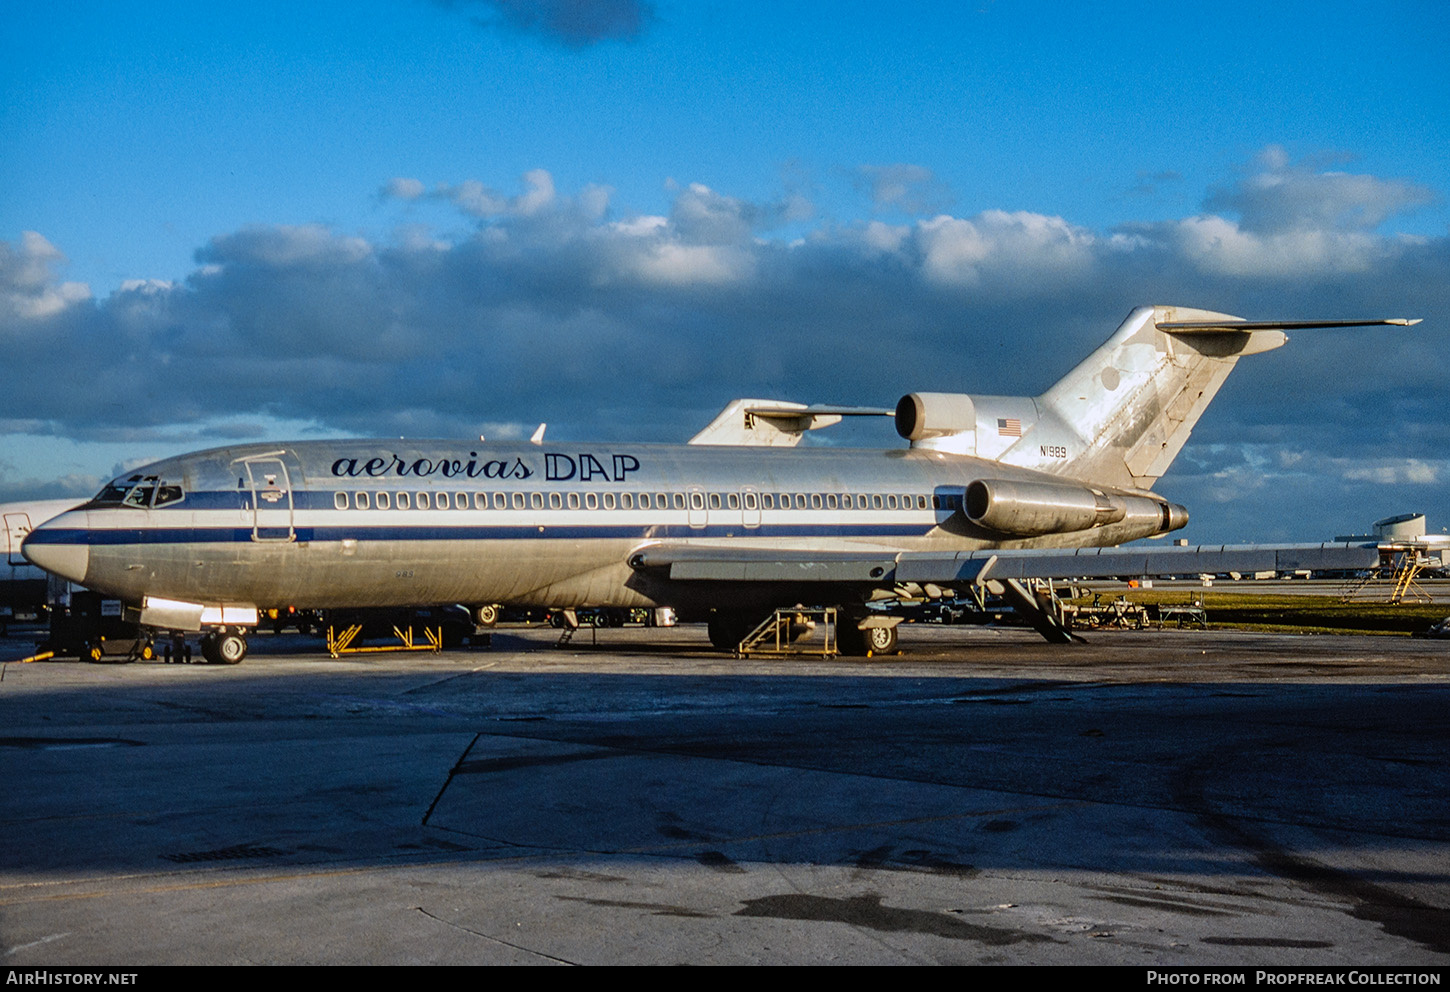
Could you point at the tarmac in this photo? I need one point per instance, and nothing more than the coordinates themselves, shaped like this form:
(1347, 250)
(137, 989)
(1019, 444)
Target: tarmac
(1148, 798)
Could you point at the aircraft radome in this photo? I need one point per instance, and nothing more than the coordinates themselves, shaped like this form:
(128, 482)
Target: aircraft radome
(991, 489)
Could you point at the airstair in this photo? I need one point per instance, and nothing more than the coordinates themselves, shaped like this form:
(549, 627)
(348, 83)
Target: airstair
(791, 632)
(1399, 576)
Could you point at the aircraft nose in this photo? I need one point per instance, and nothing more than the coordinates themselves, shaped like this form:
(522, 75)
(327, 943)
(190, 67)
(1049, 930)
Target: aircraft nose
(59, 547)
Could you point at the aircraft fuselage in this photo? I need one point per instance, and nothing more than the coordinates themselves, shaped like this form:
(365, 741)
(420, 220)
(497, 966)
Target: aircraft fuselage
(367, 523)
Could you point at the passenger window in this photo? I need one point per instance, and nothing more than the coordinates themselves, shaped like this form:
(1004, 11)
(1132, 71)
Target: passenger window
(361, 501)
(644, 501)
(556, 501)
(891, 501)
(480, 501)
(518, 501)
(591, 501)
(732, 500)
(921, 502)
(609, 501)
(443, 501)
(573, 499)
(815, 501)
(500, 501)
(536, 501)
(679, 501)
(339, 501)
(626, 501)
(422, 501)
(752, 502)
(800, 501)
(384, 500)
(697, 501)
(403, 501)
(876, 501)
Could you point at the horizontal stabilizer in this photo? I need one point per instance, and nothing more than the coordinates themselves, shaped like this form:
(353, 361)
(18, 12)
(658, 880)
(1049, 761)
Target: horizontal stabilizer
(1248, 326)
(776, 423)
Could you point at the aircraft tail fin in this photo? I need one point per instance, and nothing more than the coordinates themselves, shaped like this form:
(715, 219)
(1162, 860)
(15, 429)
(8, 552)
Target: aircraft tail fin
(1131, 405)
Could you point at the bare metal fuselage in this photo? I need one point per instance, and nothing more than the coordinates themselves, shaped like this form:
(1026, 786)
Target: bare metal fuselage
(374, 523)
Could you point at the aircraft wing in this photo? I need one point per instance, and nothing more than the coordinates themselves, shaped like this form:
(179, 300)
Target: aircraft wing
(687, 563)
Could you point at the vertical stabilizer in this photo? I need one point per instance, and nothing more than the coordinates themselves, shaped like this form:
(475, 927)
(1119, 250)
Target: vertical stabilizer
(1131, 405)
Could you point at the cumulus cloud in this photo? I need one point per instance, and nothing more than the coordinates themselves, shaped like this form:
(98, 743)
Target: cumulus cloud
(1285, 196)
(902, 186)
(1005, 247)
(574, 23)
(561, 306)
(29, 290)
(474, 198)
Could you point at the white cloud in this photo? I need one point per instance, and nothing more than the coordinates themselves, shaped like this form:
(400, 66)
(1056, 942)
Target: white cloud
(902, 186)
(1283, 196)
(1405, 471)
(402, 188)
(29, 290)
(1009, 247)
(1221, 246)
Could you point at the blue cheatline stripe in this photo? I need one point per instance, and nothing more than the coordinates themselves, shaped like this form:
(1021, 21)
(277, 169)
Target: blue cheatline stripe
(530, 532)
(308, 499)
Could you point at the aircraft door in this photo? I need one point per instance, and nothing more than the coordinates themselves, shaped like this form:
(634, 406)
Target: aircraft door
(271, 500)
(17, 526)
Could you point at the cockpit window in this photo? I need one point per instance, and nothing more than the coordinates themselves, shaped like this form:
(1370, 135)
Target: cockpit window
(140, 495)
(138, 491)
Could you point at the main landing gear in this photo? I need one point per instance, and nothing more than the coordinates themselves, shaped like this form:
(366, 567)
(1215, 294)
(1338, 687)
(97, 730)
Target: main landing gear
(864, 643)
(224, 647)
(728, 630)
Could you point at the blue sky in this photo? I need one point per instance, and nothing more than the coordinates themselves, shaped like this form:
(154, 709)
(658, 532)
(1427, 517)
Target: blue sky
(226, 222)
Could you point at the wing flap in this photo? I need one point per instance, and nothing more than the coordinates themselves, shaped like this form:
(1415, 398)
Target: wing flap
(695, 563)
(1102, 563)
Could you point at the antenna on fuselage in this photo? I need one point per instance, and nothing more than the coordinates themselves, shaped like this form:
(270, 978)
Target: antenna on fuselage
(538, 436)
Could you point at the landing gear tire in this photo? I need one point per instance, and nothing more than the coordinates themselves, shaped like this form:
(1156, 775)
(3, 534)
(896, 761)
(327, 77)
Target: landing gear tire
(224, 649)
(231, 649)
(487, 615)
(864, 643)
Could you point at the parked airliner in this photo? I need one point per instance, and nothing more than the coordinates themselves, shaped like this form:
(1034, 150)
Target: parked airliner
(740, 521)
(22, 585)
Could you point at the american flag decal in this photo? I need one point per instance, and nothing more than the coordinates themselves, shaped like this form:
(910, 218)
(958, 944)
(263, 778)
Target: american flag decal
(1009, 426)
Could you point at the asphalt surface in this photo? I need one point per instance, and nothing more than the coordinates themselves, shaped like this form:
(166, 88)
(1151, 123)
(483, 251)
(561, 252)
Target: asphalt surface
(1149, 798)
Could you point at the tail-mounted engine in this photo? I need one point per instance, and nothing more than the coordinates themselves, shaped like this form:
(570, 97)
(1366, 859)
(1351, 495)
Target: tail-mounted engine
(1032, 509)
(985, 426)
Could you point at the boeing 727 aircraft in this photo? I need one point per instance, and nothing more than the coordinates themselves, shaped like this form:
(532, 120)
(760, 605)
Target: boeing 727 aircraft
(995, 489)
